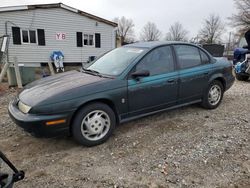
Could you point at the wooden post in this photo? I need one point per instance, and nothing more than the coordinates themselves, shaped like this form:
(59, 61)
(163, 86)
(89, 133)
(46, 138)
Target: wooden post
(51, 68)
(4, 47)
(18, 75)
(5, 68)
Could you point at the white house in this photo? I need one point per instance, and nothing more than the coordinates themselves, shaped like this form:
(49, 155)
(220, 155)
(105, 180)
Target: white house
(37, 30)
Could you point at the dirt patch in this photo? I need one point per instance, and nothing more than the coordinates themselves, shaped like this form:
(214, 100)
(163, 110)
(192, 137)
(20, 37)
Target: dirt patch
(3, 88)
(187, 147)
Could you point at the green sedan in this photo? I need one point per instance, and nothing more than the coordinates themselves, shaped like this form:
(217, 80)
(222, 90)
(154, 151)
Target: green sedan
(126, 83)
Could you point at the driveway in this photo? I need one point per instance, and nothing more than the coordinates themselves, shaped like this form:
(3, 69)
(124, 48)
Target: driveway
(186, 147)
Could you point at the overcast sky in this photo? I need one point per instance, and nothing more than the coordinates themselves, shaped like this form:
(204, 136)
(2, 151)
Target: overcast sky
(162, 12)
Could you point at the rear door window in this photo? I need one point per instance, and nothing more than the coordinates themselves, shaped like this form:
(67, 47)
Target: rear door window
(187, 56)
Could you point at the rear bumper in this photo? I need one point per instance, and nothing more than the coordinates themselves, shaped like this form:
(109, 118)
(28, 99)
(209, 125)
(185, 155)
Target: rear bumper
(243, 74)
(36, 124)
(229, 82)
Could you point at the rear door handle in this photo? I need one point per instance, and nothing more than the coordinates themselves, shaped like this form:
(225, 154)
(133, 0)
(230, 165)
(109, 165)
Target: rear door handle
(206, 73)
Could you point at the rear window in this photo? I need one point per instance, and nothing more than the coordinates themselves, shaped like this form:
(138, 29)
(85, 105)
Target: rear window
(204, 57)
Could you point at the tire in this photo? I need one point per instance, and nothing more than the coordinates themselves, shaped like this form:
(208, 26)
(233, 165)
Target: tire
(242, 77)
(212, 102)
(93, 124)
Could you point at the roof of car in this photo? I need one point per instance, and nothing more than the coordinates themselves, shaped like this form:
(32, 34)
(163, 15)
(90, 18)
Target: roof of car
(153, 44)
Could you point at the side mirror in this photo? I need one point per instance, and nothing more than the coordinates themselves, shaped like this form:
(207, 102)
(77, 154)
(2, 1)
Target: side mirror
(140, 73)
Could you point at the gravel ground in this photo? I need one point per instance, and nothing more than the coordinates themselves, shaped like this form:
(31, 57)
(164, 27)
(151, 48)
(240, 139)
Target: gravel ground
(187, 147)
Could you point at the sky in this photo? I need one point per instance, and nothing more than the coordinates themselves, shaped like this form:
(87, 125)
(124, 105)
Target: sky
(190, 13)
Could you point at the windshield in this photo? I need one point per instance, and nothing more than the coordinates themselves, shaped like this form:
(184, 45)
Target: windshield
(116, 61)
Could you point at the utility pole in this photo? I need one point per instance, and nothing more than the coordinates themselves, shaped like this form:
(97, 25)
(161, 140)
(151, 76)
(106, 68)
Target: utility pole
(229, 43)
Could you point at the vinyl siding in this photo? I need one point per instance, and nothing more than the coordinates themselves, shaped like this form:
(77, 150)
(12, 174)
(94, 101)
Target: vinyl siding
(56, 20)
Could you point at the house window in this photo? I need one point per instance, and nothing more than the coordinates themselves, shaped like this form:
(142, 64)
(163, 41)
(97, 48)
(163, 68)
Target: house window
(91, 40)
(32, 36)
(88, 40)
(29, 36)
(25, 36)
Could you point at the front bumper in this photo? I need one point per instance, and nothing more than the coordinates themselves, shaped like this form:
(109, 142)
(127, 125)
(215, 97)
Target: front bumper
(36, 124)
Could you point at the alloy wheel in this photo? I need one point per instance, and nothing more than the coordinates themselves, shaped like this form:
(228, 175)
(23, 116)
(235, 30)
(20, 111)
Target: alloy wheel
(214, 95)
(95, 125)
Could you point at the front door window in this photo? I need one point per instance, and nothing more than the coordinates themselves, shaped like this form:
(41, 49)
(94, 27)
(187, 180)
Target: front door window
(158, 61)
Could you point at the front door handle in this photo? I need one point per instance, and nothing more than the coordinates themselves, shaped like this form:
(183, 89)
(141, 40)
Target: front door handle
(206, 73)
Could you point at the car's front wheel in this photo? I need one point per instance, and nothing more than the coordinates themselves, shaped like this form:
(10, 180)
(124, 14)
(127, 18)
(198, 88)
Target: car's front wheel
(213, 95)
(93, 124)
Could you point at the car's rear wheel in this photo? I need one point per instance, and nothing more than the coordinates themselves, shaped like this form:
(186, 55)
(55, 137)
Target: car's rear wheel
(213, 95)
(93, 124)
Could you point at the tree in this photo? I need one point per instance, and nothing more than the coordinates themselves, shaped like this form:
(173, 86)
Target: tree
(125, 29)
(177, 33)
(242, 18)
(232, 42)
(212, 30)
(150, 32)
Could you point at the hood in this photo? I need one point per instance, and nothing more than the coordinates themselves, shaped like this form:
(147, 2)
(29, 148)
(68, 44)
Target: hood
(56, 85)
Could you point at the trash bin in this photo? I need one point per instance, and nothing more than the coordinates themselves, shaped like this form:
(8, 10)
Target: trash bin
(27, 75)
(215, 50)
(91, 58)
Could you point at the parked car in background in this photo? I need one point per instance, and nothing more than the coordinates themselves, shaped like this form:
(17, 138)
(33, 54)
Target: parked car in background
(242, 59)
(127, 83)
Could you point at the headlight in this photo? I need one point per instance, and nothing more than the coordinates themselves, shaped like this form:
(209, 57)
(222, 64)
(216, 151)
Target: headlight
(23, 107)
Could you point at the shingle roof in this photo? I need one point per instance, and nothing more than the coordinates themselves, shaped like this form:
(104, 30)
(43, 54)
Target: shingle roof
(56, 5)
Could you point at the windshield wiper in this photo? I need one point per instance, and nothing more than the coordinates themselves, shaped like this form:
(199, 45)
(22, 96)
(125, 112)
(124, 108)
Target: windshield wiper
(90, 71)
(95, 73)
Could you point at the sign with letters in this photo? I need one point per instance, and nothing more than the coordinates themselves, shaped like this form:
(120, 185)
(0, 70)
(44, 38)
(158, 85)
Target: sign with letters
(60, 36)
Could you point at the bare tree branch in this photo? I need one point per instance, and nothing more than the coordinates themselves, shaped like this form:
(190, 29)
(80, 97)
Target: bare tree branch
(177, 33)
(212, 30)
(242, 18)
(125, 29)
(150, 32)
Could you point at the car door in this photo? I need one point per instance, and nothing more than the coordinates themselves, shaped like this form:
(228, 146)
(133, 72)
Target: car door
(160, 89)
(194, 70)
